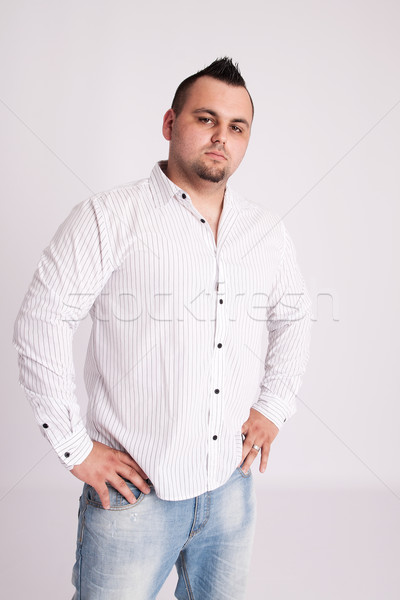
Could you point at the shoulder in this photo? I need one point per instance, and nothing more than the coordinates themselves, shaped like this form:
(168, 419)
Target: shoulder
(259, 214)
(121, 203)
(124, 194)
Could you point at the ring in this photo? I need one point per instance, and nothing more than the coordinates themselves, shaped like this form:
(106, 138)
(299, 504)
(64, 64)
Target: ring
(256, 447)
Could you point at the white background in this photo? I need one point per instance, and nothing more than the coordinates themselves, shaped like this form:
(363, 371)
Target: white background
(83, 88)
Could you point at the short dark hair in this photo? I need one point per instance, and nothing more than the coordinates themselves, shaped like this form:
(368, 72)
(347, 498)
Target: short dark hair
(222, 69)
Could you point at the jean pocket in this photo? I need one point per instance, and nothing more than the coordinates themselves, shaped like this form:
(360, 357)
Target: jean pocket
(242, 473)
(117, 500)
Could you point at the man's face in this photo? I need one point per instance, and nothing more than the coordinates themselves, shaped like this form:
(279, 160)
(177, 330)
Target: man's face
(209, 137)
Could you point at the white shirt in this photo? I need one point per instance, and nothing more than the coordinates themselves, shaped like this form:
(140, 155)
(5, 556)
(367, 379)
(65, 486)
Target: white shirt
(187, 334)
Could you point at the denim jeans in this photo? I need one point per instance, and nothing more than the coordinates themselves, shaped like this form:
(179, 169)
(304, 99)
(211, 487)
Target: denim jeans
(129, 550)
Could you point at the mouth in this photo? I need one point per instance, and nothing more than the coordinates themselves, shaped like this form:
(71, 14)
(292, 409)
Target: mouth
(216, 156)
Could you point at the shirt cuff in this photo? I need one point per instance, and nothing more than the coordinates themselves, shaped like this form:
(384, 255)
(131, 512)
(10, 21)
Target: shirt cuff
(74, 449)
(275, 409)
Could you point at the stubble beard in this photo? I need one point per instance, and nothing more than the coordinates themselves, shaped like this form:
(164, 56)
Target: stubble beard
(215, 173)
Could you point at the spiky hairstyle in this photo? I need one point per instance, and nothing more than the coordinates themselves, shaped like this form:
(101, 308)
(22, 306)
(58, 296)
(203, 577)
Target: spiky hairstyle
(222, 69)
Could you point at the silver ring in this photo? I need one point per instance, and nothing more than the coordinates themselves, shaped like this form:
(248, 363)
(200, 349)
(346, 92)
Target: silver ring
(256, 447)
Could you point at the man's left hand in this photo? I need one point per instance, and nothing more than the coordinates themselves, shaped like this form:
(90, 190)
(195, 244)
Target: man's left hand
(259, 431)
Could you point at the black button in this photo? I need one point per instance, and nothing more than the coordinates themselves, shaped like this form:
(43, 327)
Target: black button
(202, 220)
(67, 454)
(219, 345)
(45, 426)
(216, 391)
(221, 301)
(215, 437)
(284, 420)
(184, 196)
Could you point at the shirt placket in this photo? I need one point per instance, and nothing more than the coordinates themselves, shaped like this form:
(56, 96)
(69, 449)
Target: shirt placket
(218, 314)
(217, 387)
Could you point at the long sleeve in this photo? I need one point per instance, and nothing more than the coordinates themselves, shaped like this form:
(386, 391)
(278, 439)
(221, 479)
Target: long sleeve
(173, 361)
(289, 328)
(70, 274)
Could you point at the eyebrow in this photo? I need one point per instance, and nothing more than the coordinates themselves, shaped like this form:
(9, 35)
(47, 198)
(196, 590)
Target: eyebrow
(214, 114)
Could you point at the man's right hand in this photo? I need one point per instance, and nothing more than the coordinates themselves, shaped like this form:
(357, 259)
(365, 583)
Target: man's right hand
(105, 464)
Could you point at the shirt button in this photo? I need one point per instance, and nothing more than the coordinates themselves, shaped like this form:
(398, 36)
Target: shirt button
(215, 437)
(219, 345)
(221, 301)
(216, 391)
(45, 426)
(202, 220)
(67, 454)
(184, 196)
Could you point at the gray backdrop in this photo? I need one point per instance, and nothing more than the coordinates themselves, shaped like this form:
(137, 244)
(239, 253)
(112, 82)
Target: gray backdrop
(83, 88)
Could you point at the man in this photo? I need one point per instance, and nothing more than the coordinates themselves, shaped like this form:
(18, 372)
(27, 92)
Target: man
(191, 289)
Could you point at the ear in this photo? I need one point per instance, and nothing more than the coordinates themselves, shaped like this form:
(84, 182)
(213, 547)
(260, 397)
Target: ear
(168, 121)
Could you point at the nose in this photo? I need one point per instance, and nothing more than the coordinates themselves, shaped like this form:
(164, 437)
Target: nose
(219, 135)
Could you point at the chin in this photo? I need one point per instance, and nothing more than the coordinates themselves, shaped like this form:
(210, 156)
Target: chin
(213, 174)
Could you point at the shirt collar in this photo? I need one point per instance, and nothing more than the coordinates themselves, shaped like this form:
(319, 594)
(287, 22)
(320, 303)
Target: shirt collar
(163, 190)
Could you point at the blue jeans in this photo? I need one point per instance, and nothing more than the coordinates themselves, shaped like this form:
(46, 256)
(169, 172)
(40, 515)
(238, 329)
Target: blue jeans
(129, 550)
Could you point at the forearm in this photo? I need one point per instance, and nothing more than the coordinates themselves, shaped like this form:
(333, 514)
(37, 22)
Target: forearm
(46, 374)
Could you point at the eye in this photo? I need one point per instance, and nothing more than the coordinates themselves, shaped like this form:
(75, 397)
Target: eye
(236, 129)
(205, 120)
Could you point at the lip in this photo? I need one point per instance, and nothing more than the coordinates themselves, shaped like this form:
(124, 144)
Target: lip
(216, 155)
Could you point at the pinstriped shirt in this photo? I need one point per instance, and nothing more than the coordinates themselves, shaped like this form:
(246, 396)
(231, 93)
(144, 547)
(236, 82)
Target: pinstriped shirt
(187, 333)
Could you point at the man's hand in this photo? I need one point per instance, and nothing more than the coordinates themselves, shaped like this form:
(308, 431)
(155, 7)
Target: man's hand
(104, 464)
(260, 431)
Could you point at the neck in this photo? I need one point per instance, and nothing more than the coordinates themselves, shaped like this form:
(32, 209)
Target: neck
(205, 195)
